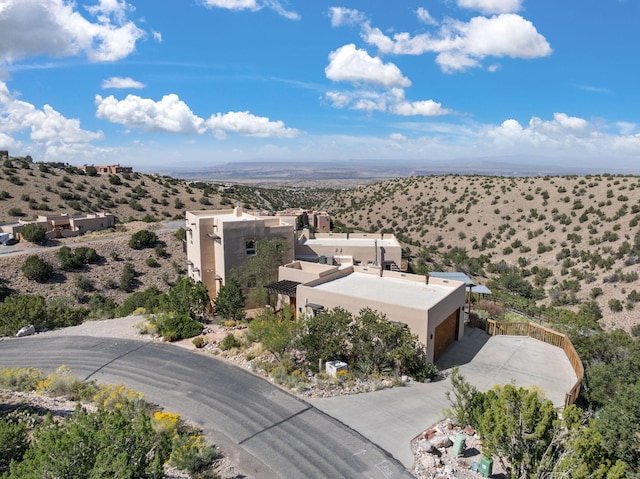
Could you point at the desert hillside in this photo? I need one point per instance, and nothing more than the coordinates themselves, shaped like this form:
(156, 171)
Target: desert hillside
(574, 239)
(29, 189)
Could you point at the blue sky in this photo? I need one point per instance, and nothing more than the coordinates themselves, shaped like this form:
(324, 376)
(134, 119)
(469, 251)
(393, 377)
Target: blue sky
(172, 83)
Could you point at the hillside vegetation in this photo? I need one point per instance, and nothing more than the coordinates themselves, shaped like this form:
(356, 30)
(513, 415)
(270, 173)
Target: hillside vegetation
(555, 241)
(29, 189)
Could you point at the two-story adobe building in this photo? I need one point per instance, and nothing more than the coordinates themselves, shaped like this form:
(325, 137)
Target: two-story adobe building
(218, 241)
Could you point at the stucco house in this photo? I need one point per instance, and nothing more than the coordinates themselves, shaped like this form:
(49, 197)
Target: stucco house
(219, 240)
(431, 308)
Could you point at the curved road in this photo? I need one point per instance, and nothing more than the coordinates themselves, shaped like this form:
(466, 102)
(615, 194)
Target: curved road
(265, 431)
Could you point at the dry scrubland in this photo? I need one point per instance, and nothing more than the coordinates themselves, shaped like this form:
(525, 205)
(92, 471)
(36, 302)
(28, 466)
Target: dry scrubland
(574, 238)
(583, 229)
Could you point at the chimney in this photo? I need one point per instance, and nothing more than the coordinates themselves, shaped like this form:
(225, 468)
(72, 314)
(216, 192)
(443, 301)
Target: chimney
(381, 260)
(238, 210)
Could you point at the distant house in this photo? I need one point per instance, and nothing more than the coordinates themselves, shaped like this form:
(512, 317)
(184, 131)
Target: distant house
(109, 169)
(4, 154)
(63, 225)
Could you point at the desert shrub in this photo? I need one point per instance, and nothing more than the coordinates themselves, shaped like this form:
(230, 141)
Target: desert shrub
(191, 453)
(143, 239)
(181, 234)
(127, 278)
(151, 299)
(101, 306)
(174, 327)
(151, 262)
(20, 379)
(229, 342)
(199, 342)
(13, 442)
(33, 233)
(83, 283)
(37, 269)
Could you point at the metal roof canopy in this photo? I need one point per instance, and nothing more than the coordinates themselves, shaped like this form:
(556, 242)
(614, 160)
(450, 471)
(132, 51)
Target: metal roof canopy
(286, 287)
(458, 276)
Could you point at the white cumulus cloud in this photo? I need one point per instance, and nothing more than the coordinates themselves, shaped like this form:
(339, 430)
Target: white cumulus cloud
(341, 16)
(246, 124)
(425, 17)
(122, 82)
(463, 45)
(350, 64)
(491, 6)
(46, 127)
(423, 108)
(170, 114)
(252, 5)
(56, 28)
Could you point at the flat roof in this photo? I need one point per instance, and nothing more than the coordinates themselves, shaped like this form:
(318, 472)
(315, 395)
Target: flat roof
(459, 276)
(389, 290)
(333, 242)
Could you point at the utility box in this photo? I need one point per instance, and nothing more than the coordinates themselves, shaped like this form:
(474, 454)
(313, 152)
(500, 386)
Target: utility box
(459, 443)
(332, 367)
(486, 467)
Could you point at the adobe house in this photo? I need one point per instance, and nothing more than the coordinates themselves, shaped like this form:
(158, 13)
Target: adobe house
(109, 169)
(65, 226)
(433, 309)
(219, 240)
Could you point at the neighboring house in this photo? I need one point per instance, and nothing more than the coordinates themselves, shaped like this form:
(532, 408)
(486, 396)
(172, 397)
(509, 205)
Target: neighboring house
(109, 169)
(218, 241)
(63, 225)
(431, 308)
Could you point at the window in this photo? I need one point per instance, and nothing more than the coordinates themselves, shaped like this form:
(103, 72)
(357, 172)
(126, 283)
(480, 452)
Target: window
(250, 247)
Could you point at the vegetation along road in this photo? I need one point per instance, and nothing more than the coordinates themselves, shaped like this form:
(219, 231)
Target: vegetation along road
(264, 430)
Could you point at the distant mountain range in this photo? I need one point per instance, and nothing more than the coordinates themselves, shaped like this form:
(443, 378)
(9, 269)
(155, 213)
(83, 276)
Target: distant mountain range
(283, 171)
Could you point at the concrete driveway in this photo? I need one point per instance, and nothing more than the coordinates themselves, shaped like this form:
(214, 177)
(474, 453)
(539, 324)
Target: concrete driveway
(391, 418)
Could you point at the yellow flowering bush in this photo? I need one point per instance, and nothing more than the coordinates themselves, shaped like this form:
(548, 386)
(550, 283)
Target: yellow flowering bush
(20, 379)
(58, 383)
(113, 396)
(166, 422)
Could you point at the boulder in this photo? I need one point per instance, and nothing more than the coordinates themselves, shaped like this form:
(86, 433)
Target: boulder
(26, 331)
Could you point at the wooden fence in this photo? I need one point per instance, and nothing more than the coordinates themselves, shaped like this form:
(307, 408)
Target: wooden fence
(549, 336)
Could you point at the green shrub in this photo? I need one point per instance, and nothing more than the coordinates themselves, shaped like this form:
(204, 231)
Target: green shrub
(192, 454)
(151, 262)
(37, 269)
(199, 342)
(174, 327)
(127, 278)
(13, 442)
(83, 283)
(33, 233)
(229, 341)
(143, 239)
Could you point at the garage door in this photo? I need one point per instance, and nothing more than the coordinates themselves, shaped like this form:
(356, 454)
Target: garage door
(446, 333)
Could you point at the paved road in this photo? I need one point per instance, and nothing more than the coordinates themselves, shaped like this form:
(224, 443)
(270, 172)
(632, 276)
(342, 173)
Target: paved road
(264, 430)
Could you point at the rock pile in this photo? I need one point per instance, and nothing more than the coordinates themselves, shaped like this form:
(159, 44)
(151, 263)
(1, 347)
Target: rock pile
(435, 454)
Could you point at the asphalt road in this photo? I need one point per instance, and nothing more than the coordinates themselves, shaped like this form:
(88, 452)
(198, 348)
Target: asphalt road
(265, 431)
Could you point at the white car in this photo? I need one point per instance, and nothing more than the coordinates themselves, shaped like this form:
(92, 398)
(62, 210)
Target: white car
(26, 331)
